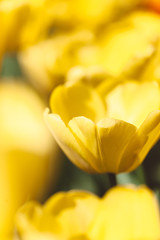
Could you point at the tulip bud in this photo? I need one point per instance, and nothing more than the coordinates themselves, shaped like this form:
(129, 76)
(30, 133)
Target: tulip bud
(27, 164)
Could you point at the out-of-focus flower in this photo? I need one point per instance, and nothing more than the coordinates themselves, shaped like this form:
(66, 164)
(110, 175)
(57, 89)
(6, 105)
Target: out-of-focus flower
(13, 15)
(23, 18)
(114, 137)
(88, 13)
(47, 62)
(65, 215)
(92, 76)
(38, 28)
(127, 213)
(81, 215)
(122, 50)
(22, 23)
(126, 42)
(27, 153)
(151, 70)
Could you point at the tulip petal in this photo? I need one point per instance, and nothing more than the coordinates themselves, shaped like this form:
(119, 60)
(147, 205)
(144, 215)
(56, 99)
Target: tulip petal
(113, 137)
(134, 216)
(130, 159)
(77, 100)
(127, 40)
(28, 221)
(151, 129)
(80, 237)
(84, 131)
(62, 216)
(67, 141)
(107, 86)
(38, 236)
(66, 211)
(28, 216)
(133, 101)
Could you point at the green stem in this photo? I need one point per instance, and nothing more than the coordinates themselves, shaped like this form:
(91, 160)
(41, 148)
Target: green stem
(112, 179)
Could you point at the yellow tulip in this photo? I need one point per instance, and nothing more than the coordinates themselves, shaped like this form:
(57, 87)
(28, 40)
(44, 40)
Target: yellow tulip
(78, 215)
(90, 13)
(121, 50)
(64, 216)
(151, 70)
(23, 18)
(98, 137)
(26, 151)
(126, 42)
(38, 28)
(13, 15)
(22, 23)
(127, 213)
(47, 62)
(93, 76)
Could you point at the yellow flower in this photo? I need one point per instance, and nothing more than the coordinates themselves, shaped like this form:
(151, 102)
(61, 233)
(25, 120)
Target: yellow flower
(123, 213)
(99, 139)
(38, 28)
(65, 215)
(13, 15)
(47, 62)
(90, 13)
(151, 70)
(128, 41)
(22, 23)
(27, 163)
(127, 213)
(23, 18)
(120, 50)
(93, 76)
